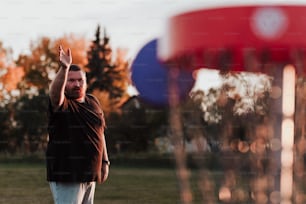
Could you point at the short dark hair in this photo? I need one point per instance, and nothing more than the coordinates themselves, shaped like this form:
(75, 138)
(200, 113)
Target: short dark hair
(74, 68)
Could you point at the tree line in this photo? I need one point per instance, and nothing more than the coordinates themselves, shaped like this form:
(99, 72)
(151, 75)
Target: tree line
(25, 84)
(225, 114)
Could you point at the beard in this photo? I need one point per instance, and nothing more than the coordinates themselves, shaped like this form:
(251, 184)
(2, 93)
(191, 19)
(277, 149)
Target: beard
(75, 93)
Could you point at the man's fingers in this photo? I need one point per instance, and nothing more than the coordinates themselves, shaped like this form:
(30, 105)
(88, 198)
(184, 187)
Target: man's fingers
(60, 51)
(69, 52)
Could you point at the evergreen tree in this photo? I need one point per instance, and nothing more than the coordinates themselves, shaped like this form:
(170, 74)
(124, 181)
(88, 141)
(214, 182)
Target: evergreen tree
(102, 74)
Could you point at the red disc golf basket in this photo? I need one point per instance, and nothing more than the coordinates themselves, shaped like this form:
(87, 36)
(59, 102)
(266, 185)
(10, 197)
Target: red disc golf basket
(262, 39)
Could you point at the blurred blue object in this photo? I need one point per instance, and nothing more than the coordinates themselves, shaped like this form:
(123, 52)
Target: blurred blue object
(151, 77)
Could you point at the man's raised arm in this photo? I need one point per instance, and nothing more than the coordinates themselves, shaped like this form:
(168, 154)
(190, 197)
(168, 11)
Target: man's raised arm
(57, 87)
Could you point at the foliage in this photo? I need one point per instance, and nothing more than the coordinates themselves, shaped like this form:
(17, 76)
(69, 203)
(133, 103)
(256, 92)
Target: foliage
(229, 112)
(192, 120)
(249, 93)
(37, 66)
(24, 94)
(10, 75)
(106, 75)
(5, 57)
(135, 127)
(6, 128)
(30, 115)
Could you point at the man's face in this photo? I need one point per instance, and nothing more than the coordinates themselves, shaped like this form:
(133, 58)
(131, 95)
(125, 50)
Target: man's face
(76, 85)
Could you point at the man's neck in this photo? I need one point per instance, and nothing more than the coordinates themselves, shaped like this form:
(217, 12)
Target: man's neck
(80, 100)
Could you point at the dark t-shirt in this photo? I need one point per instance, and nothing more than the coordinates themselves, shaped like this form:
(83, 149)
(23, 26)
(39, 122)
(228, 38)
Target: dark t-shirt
(75, 147)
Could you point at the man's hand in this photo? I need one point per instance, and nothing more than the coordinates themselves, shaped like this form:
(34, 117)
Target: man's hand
(65, 58)
(105, 170)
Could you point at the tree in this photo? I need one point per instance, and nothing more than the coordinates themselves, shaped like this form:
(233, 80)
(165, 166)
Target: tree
(6, 128)
(106, 75)
(192, 120)
(136, 127)
(37, 66)
(10, 75)
(5, 56)
(31, 122)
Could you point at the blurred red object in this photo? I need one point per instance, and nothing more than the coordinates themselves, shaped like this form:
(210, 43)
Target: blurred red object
(241, 38)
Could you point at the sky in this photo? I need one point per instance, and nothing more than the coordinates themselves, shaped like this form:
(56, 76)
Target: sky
(129, 23)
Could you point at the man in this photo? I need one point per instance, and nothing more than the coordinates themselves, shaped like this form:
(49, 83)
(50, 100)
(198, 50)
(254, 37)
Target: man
(76, 154)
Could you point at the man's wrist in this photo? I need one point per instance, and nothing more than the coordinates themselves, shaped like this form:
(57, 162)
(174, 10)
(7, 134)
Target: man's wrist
(64, 65)
(107, 162)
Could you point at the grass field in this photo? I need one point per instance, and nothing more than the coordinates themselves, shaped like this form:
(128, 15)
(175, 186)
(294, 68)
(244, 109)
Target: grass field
(24, 183)
(132, 180)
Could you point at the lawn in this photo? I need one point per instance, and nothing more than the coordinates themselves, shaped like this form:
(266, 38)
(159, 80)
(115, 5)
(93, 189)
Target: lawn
(133, 180)
(24, 182)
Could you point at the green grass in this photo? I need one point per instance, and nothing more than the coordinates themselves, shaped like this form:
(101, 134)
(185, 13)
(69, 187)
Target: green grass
(22, 182)
(134, 179)
(145, 185)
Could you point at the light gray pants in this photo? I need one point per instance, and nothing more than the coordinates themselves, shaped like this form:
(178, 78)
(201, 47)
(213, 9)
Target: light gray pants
(73, 193)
